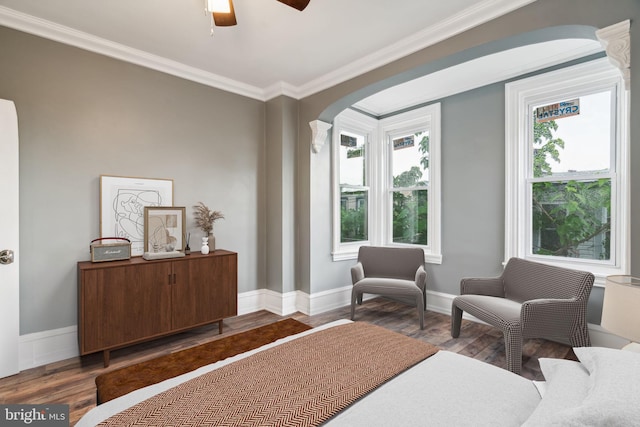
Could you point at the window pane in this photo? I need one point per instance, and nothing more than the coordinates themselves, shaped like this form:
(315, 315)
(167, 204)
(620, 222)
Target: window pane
(410, 160)
(576, 143)
(352, 159)
(353, 215)
(410, 217)
(572, 219)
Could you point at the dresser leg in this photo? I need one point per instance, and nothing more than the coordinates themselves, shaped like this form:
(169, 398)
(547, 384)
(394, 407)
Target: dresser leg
(220, 326)
(105, 357)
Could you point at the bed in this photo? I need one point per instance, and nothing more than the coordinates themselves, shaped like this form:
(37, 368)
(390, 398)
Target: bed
(431, 387)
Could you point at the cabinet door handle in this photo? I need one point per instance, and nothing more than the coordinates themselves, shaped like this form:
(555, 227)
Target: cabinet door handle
(169, 278)
(174, 278)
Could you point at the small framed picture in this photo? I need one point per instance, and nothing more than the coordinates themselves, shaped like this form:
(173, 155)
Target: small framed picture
(164, 228)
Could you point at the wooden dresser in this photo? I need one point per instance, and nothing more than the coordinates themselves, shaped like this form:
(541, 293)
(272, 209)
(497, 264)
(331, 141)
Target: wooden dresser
(126, 302)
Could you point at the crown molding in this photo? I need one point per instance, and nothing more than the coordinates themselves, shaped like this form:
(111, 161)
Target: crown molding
(478, 14)
(60, 33)
(281, 89)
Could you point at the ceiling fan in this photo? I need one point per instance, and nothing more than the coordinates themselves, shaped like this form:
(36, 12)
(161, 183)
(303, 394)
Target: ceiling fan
(224, 14)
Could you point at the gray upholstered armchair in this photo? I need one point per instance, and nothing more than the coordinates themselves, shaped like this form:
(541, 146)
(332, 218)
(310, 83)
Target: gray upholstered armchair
(392, 272)
(529, 300)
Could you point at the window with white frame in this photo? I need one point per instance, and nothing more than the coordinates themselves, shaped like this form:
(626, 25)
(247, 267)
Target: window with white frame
(387, 182)
(566, 163)
(354, 187)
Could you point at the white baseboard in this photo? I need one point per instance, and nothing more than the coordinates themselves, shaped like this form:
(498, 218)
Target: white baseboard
(45, 347)
(291, 302)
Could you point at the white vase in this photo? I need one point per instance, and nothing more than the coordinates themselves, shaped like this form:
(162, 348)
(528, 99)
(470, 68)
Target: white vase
(205, 246)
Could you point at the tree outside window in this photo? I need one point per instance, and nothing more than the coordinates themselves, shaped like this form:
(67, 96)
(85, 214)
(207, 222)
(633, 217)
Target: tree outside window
(386, 181)
(571, 198)
(354, 193)
(410, 188)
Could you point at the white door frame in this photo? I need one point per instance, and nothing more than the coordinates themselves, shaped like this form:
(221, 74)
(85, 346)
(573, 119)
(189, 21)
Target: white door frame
(9, 240)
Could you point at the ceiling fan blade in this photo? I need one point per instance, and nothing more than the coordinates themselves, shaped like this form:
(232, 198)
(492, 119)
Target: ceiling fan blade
(296, 4)
(222, 19)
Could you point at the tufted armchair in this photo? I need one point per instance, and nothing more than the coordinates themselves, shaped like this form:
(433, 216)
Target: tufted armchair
(529, 300)
(392, 272)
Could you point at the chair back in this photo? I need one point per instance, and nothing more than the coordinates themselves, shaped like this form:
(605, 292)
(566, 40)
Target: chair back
(526, 280)
(396, 263)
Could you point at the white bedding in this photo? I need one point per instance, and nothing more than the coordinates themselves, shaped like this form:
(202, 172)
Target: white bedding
(445, 389)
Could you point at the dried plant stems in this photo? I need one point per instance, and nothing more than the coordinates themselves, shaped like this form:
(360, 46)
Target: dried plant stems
(205, 217)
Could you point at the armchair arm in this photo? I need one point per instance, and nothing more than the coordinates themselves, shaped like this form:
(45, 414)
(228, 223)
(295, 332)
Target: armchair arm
(421, 278)
(491, 286)
(357, 273)
(551, 317)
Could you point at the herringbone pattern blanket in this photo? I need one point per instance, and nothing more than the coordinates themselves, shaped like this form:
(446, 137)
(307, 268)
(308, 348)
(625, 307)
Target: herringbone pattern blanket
(300, 383)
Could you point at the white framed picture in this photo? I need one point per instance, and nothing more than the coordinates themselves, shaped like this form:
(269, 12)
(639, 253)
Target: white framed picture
(122, 203)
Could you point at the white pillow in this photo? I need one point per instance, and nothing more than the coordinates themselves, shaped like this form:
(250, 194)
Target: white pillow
(567, 384)
(614, 390)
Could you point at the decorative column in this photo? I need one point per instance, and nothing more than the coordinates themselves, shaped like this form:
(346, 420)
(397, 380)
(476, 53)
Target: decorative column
(617, 43)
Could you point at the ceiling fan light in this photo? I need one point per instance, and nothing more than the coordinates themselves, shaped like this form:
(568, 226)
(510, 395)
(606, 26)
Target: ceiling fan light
(224, 19)
(219, 6)
(296, 4)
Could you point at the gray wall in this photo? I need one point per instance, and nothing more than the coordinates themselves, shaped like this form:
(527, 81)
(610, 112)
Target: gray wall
(472, 187)
(81, 115)
(282, 117)
(472, 144)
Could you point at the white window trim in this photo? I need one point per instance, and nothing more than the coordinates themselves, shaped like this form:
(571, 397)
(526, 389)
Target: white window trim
(354, 122)
(429, 117)
(378, 161)
(520, 94)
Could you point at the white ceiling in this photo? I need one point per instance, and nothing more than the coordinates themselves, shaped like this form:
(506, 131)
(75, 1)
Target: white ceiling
(477, 72)
(273, 45)
(273, 50)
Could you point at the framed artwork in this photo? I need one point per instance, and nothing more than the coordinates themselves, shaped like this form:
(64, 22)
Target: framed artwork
(122, 202)
(164, 228)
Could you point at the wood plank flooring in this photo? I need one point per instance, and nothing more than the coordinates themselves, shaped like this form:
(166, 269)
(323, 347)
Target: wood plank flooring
(71, 381)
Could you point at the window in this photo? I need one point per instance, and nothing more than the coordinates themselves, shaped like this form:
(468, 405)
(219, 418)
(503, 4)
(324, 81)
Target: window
(567, 180)
(354, 190)
(387, 182)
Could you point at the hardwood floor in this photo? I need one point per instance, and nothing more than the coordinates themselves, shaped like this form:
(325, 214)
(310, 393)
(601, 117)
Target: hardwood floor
(71, 381)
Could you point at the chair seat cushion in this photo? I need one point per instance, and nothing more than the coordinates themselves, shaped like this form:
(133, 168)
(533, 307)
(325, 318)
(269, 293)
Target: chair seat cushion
(386, 286)
(496, 311)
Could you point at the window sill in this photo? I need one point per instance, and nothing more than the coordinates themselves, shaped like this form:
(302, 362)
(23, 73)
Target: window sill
(429, 258)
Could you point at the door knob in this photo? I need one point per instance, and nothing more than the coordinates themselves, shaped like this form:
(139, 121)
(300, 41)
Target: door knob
(6, 256)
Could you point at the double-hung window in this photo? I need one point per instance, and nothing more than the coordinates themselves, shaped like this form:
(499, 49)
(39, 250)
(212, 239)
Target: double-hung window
(354, 186)
(387, 181)
(567, 179)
